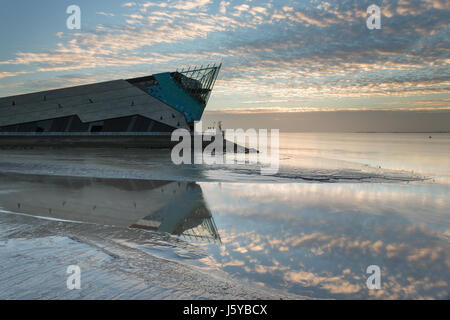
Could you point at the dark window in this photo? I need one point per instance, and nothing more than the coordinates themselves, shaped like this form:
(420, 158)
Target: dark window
(117, 124)
(78, 126)
(141, 124)
(73, 123)
(12, 128)
(59, 124)
(161, 127)
(96, 128)
(27, 127)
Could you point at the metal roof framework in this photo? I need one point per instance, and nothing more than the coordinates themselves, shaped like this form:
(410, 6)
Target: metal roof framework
(198, 80)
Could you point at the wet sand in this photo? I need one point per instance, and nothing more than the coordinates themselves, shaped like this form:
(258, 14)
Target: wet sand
(35, 254)
(142, 228)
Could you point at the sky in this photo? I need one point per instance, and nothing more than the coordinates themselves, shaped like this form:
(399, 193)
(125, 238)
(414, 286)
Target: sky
(278, 56)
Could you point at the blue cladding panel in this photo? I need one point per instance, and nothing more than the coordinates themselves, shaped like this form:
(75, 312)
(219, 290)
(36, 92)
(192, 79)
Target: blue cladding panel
(171, 93)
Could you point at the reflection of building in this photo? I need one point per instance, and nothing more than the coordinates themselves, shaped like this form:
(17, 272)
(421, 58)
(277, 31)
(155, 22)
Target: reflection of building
(135, 112)
(177, 208)
(188, 216)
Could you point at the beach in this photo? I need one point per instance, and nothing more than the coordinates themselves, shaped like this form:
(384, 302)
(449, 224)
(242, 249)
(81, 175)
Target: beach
(141, 227)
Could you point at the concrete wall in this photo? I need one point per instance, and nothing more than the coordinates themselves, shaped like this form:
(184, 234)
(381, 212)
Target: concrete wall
(151, 140)
(93, 102)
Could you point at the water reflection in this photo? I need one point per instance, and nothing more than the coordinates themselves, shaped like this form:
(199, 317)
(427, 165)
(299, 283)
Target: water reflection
(318, 239)
(311, 240)
(171, 207)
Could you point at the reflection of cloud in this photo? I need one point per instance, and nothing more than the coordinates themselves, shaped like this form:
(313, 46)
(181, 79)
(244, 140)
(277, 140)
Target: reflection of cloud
(323, 242)
(342, 287)
(262, 199)
(241, 250)
(234, 263)
(318, 243)
(335, 285)
(396, 288)
(402, 268)
(315, 240)
(256, 247)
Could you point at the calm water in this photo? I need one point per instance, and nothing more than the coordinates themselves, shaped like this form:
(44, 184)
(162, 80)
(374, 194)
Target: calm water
(340, 203)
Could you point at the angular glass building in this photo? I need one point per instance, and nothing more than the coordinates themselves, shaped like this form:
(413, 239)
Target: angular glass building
(159, 103)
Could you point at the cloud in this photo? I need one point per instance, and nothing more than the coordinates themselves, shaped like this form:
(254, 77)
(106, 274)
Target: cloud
(278, 54)
(11, 74)
(101, 13)
(129, 4)
(189, 5)
(223, 6)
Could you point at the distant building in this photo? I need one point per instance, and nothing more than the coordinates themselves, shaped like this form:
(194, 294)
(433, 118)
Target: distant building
(159, 103)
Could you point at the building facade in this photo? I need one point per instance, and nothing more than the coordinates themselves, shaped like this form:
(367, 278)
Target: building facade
(159, 103)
